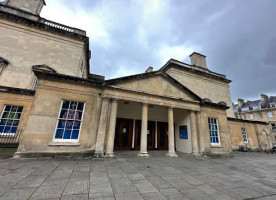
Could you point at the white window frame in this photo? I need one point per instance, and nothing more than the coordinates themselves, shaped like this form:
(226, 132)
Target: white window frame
(68, 140)
(272, 105)
(244, 135)
(260, 115)
(269, 114)
(251, 116)
(219, 143)
(243, 117)
(1, 117)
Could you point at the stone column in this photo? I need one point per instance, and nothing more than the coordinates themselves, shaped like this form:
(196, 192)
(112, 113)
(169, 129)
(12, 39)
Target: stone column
(201, 137)
(171, 152)
(102, 128)
(111, 130)
(144, 132)
(194, 132)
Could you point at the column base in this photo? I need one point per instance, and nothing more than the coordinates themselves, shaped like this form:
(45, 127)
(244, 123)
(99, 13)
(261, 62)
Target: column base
(110, 155)
(196, 154)
(143, 154)
(172, 154)
(98, 155)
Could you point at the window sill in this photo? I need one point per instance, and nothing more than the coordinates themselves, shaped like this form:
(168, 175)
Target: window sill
(216, 146)
(63, 144)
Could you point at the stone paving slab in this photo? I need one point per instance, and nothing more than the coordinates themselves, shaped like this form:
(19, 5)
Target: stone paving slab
(246, 176)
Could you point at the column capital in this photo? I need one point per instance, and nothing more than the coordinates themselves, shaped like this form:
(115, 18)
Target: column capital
(115, 100)
(105, 98)
(145, 105)
(170, 107)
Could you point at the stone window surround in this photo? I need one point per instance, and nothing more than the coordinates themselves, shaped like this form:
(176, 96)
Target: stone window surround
(218, 134)
(269, 114)
(66, 142)
(244, 135)
(17, 112)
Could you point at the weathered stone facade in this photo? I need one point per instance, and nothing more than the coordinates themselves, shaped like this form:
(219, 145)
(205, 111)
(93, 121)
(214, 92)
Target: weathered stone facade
(262, 110)
(179, 107)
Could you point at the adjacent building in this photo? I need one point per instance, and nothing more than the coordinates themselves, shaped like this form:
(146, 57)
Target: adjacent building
(263, 109)
(48, 92)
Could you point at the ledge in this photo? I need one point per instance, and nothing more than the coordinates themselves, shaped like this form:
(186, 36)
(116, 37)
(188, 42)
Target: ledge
(63, 144)
(216, 146)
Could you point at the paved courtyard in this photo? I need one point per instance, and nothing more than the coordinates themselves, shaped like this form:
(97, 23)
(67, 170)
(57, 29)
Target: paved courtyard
(246, 176)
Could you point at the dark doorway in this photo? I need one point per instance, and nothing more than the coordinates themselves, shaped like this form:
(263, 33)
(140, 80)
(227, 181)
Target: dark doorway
(162, 135)
(123, 134)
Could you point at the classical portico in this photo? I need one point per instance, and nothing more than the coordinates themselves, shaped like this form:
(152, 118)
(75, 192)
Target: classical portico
(137, 117)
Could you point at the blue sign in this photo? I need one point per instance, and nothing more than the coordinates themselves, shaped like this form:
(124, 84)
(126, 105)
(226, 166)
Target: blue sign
(183, 132)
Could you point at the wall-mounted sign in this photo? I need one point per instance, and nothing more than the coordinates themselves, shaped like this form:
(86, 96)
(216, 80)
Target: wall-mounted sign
(183, 132)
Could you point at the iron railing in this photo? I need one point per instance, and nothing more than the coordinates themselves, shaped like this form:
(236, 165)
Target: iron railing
(10, 140)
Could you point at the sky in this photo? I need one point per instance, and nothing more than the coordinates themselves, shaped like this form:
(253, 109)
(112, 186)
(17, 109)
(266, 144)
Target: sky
(127, 36)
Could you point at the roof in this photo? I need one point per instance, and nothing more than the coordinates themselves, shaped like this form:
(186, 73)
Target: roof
(16, 90)
(255, 105)
(246, 121)
(194, 69)
(50, 74)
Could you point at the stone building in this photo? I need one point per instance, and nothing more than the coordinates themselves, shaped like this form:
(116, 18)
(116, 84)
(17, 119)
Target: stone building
(48, 92)
(263, 109)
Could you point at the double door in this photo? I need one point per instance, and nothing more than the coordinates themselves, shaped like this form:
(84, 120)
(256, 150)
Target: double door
(159, 129)
(157, 135)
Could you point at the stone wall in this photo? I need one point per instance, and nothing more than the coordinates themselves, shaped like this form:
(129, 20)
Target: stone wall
(204, 135)
(41, 125)
(25, 46)
(204, 87)
(237, 137)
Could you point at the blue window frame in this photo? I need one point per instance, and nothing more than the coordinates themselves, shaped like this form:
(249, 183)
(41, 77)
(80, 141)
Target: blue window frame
(69, 120)
(214, 130)
(10, 119)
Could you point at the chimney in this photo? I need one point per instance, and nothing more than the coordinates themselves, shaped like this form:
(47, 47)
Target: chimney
(150, 69)
(264, 98)
(198, 59)
(31, 6)
(240, 102)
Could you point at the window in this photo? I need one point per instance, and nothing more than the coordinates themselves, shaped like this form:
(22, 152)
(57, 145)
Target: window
(272, 104)
(69, 121)
(269, 114)
(260, 115)
(244, 135)
(214, 131)
(243, 117)
(250, 108)
(273, 126)
(251, 116)
(10, 119)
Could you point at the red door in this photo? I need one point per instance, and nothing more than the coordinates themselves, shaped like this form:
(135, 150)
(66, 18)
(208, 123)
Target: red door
(123, 134)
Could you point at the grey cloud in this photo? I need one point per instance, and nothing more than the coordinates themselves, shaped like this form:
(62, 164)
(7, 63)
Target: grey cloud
(238, 38)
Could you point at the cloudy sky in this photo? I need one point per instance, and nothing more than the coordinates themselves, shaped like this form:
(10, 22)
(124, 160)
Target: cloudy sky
(126, 36)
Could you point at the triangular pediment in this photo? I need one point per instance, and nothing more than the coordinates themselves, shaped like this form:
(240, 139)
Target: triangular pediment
(157, 84)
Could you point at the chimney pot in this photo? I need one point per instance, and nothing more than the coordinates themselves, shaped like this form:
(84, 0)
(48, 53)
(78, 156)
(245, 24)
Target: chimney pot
(150, 69)
(240, 102)
(264, 98)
